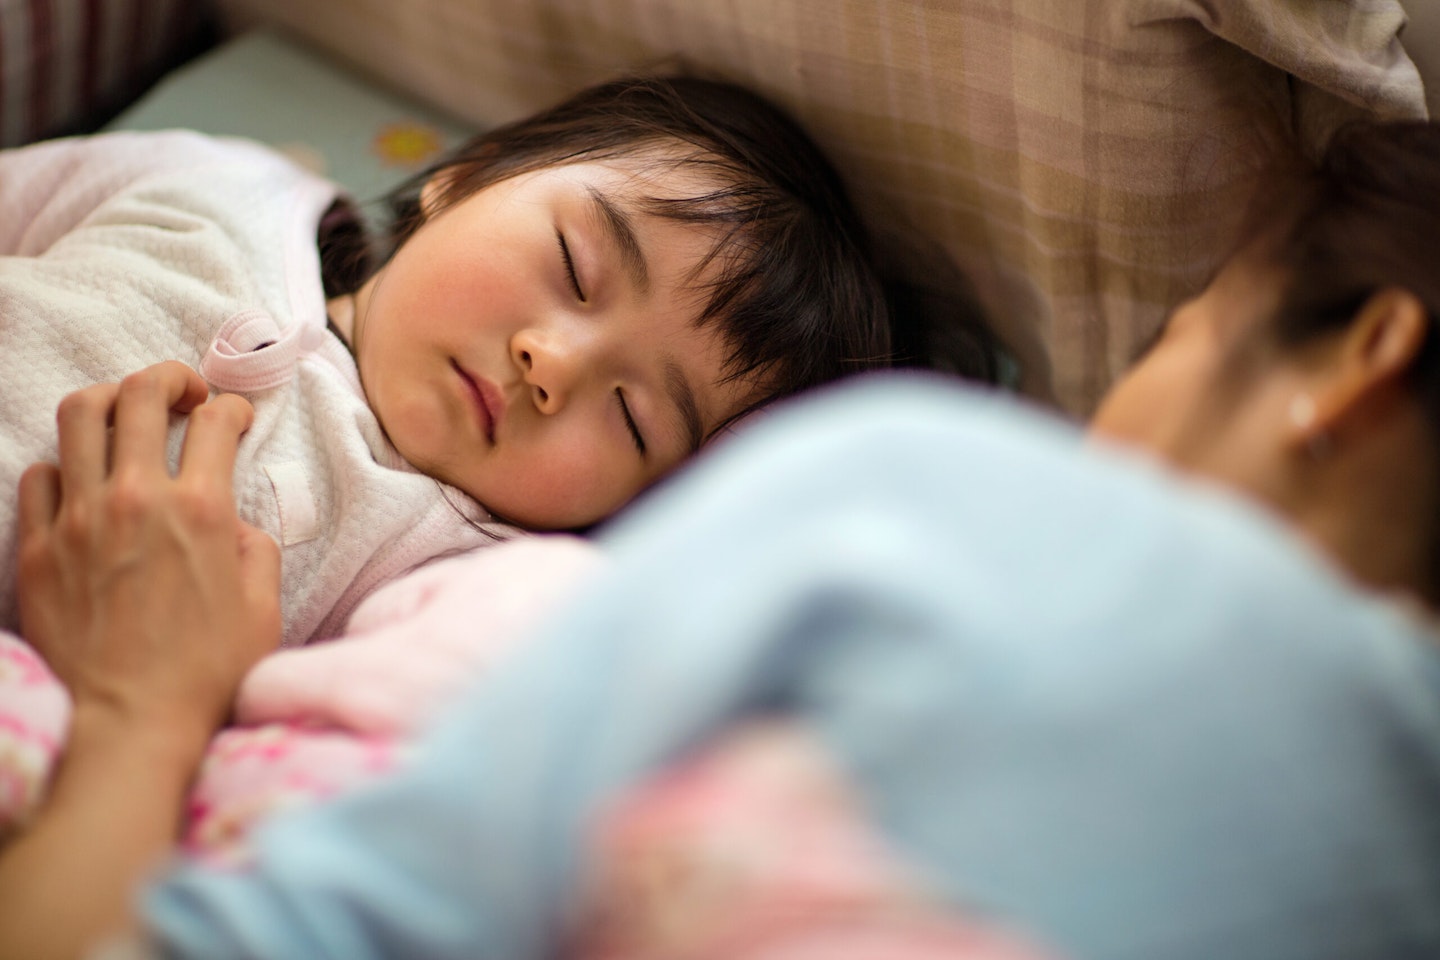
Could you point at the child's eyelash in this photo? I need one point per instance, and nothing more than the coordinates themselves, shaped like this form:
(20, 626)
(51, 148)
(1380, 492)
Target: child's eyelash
(569, 265)
(630, 421)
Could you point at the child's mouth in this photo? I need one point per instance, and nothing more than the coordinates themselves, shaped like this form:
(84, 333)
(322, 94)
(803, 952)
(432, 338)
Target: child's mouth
(485, 399)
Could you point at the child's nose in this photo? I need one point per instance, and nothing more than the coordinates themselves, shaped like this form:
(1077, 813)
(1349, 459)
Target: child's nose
(550, 366)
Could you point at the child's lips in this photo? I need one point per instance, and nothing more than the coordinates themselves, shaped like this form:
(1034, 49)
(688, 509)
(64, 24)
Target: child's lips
(485, 398)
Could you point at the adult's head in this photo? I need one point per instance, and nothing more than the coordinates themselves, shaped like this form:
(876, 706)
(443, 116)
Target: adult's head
(702, 250)
(1308, 373)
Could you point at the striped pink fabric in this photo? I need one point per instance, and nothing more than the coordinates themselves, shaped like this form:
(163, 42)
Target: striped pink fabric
(66, 64)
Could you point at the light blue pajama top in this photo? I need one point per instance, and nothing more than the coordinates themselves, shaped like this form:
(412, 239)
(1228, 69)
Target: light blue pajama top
(1134, 717)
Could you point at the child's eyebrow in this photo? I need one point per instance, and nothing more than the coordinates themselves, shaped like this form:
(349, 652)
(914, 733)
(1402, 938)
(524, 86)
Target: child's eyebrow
(682, 394)
(616, 224)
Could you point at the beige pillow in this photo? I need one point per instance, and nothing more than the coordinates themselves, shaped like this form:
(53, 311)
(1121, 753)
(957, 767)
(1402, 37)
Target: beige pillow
(1083, 160)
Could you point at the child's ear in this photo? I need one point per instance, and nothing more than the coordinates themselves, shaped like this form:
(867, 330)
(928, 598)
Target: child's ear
(1375, 355)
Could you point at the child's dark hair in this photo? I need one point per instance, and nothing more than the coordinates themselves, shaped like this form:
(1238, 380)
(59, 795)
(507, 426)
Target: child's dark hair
(795, 292)
(1365, 218)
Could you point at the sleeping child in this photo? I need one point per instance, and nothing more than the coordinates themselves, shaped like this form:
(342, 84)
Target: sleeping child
(576, 303)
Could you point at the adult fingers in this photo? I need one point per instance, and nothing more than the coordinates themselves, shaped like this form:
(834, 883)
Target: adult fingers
(212, 438)
(39, 498)
(142, 413)
(260, 577)
(83, 421)
(259, 559)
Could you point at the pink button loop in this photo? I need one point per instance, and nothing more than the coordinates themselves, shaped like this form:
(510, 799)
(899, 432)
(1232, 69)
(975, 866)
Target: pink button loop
(251, 353)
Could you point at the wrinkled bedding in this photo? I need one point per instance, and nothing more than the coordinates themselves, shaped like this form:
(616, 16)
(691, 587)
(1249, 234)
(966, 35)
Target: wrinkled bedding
(756, 846)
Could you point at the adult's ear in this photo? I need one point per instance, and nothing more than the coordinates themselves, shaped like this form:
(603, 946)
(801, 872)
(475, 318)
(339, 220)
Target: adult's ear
(1374, 357)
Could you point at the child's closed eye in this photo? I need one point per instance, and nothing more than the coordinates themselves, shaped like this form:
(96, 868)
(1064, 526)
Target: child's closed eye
(630, 423)
(569, 266)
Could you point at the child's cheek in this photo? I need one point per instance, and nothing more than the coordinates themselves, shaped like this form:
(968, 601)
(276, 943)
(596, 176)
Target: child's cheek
(570, 478)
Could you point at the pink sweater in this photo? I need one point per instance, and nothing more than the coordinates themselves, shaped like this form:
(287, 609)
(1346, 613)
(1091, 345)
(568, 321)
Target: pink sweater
(123, 250)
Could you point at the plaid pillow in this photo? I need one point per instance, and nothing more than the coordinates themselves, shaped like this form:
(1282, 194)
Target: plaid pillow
(1084, 161)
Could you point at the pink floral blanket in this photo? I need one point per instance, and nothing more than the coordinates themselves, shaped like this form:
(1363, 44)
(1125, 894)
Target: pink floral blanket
(313, 721)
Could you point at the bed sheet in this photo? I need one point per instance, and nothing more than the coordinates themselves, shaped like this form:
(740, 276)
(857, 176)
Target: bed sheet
(264, 86)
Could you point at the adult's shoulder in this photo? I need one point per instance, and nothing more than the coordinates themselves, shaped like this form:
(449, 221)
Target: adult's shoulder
(968, 469)
(1032, 553)
(1137, 715)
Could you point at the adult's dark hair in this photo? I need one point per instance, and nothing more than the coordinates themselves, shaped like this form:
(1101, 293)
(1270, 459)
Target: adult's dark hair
(796, 293)
(1365, 218)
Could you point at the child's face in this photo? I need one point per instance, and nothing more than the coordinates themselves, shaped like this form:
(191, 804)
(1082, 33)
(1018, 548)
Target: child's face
(552, 400)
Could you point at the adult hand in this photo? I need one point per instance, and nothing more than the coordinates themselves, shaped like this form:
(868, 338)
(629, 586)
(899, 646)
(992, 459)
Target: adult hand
(150, 599)
(144, 591)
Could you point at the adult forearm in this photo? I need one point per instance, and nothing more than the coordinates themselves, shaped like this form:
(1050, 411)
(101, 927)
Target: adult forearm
(124, 566)
(69, 880)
